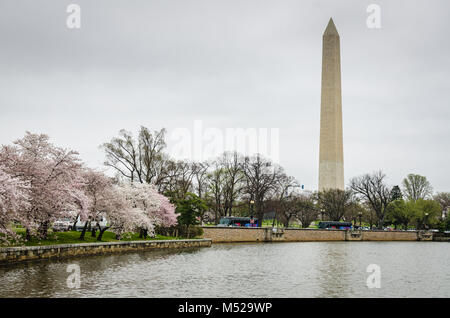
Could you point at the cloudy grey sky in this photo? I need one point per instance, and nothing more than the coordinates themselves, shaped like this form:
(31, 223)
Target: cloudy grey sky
(233, 63)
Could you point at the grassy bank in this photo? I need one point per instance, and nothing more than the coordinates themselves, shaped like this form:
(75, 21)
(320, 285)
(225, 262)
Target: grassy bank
(72, 237)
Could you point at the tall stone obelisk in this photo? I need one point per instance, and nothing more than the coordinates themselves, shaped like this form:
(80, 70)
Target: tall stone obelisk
(331, 157)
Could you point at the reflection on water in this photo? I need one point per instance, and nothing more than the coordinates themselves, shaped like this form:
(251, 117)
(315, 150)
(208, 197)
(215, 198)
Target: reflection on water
(309, 269)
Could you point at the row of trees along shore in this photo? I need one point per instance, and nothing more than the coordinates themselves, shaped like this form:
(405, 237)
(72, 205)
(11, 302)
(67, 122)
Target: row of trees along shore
(40, 183)
(228, 184)
(154, 193)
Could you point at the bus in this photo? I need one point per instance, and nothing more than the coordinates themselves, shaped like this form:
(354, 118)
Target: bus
(335, 225)
(238, 222)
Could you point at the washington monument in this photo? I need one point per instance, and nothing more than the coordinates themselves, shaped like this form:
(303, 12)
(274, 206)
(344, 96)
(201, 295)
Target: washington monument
(331, 157)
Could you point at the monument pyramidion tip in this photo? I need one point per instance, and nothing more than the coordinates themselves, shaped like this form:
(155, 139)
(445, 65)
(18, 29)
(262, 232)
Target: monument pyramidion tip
(331, 29)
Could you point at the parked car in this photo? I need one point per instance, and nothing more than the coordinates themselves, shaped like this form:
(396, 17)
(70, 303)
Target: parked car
(64, 224)
(238, 221)
(335, 225)
(101, 221)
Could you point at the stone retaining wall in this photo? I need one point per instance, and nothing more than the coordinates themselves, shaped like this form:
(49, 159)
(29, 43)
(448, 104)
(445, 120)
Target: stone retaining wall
(298, 235)
(236, 234)
(390, 236)
(441, 237)
(242, 234)
(18, 254)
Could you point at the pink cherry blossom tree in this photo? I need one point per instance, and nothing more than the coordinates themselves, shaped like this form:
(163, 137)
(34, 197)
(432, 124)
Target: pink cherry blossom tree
(154, 205)
(97, 188)
(122, 205)
(54, 178)
(13, 199)
(165, 214)
(40, 183)
(125, 213)
(142, 200)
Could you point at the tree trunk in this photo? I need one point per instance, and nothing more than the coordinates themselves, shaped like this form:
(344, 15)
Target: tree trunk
(100, 234)
(83, 232)
(27, 234)
(74, 226)
(43, 228)
(101, 231)
(93, 232)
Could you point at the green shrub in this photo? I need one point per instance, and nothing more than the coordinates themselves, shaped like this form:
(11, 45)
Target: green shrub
(183, 231)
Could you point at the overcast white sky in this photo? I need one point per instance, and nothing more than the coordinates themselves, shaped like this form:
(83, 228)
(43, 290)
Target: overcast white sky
(233, 63)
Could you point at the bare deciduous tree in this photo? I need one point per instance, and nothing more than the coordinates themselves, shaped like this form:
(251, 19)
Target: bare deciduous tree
(261, 177)
(141, 160)
(443, 198)
(372, 189)
(216, 185)
(416, 187)
(234, 175)
(284, 198)
(200, 171)
(335, 202)
(307, 209)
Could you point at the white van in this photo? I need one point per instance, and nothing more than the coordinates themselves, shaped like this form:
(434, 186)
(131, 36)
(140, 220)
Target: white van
(62, 224)
(101, 220)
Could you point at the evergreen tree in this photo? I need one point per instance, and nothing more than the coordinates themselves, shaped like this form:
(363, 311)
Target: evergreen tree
(396, 193)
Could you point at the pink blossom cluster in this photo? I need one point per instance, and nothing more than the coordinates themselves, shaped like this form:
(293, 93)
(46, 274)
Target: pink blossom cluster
(40, 183)
(154, 205)
(13, 198)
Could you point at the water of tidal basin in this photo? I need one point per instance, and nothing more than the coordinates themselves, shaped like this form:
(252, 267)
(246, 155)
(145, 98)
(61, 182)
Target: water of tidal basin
(316, 269)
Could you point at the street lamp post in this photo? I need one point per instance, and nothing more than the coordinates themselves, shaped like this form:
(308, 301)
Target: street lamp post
(425, 220)
(251, 208)
(322, 212)
(360, 216)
